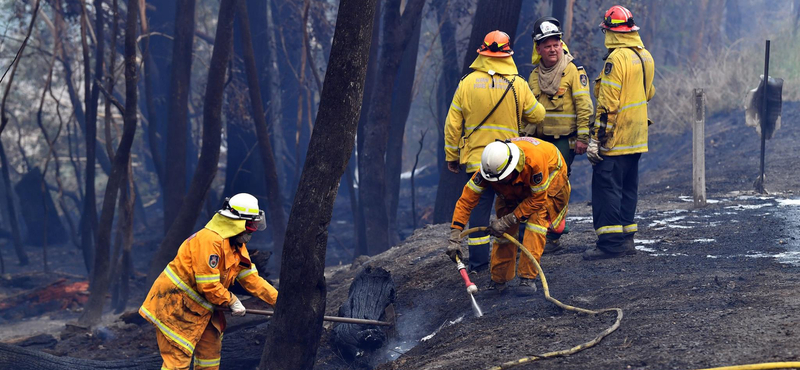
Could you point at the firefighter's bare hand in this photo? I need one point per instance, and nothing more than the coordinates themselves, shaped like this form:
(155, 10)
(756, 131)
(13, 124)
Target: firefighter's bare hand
(500, 225)
(454, 245)
(580, 147)
(237, 308)
(593, 152)
(452, 166)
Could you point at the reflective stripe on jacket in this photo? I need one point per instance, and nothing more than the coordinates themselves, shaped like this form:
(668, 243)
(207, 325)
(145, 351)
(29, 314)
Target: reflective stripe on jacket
(570, 109)
(621, 120)
(476, 96)
(182, 299)
(543, 175)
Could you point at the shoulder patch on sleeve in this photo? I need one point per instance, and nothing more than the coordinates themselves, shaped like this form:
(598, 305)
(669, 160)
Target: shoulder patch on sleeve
(584, 80)
(213, 261)
(537, 178)
(477, 178)
(608, 67)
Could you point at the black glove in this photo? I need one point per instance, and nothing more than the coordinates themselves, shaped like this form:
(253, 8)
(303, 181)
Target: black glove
(454, 245)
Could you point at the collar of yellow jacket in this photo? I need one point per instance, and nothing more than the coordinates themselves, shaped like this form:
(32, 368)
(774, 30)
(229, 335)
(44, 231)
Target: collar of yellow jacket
(623, 40)
(504, 66)
(535, 58)
(225, 227)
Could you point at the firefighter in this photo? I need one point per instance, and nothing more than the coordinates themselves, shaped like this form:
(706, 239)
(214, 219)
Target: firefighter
(530, 178)
(181, 303)
(619, 134)
(490, 103)
(560, 84)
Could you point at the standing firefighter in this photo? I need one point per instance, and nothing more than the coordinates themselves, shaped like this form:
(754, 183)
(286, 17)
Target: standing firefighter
(619, 135)
(490, 103)
(560, 84)
(181, 302)
(530, 179)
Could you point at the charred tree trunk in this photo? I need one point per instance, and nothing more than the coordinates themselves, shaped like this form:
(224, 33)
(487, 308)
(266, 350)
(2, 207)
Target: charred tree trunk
(12, 210)
(397, 32)
(401, 105)
(274, 197)
(23, 257)
(180, 79)
(302, 302)
(100, 274)
(209, 154)
(366, 103)
(274, 109)
(448, 81)
(558, 9)
(371, 292)
(89, 215)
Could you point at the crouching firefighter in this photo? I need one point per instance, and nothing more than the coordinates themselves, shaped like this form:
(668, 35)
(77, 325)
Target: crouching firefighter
(182, 300)
(530, 178)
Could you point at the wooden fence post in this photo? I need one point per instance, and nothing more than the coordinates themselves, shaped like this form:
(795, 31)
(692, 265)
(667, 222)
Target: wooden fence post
(699, 149)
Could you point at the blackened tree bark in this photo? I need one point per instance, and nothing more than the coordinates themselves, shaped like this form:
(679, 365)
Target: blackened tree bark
(302, 300)
(448, 81)
(175, 183)
(401, 105)
(397, 32)
(274, 197)
(100, 273)
(12, 212)
(372, 70)
(89, 214)
(153, 119)
(559, 9)
(273, 81)
(489, 16)
(209, 154)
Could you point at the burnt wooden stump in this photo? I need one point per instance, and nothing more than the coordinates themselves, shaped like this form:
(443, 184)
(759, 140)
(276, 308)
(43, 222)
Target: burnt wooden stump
(371, 293)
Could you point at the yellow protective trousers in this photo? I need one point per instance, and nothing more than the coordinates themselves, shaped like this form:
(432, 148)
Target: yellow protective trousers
(206, 352)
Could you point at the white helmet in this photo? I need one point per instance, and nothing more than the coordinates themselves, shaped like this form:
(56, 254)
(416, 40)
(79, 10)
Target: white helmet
(243, 206)
(498, 160)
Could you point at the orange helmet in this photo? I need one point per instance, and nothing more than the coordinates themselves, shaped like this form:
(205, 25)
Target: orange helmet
(496, 44)
(619, 19)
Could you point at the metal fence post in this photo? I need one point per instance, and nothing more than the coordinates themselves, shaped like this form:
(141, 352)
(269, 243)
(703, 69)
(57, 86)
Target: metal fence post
(699, 149)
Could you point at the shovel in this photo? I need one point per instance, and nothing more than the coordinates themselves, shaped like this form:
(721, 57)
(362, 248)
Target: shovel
(471, 287)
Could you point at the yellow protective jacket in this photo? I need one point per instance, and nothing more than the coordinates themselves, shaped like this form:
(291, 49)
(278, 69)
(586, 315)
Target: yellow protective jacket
(621, 119)
(542, 174)
(479, 92)
(181, 302)
(570, 109)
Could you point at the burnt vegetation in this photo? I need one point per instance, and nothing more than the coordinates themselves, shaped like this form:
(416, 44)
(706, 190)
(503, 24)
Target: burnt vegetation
(125, 123)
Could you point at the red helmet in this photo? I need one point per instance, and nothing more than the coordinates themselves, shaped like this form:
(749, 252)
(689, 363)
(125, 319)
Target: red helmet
(619, 19)
(496, 44)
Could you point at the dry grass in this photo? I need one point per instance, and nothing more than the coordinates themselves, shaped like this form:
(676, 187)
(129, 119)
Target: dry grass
(725, 76)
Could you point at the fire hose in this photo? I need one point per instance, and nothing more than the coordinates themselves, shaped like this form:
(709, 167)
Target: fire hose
(604, 333)
(547, 296)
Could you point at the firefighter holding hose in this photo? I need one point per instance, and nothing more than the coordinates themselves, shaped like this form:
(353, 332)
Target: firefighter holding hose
(529, 177)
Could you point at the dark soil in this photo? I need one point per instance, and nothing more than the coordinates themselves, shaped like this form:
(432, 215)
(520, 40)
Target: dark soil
(709, 286)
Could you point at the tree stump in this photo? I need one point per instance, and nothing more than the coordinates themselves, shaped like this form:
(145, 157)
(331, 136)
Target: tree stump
(371, 292)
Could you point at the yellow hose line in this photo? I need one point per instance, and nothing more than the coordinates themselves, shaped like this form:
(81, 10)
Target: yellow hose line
(604, 333)
(766, 365)
(547, 296)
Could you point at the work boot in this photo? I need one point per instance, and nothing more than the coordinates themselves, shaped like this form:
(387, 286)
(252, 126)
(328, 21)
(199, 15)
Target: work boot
(598, 254)
(499, 287)
(553, 245)
(526, 287)
(629, 244)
